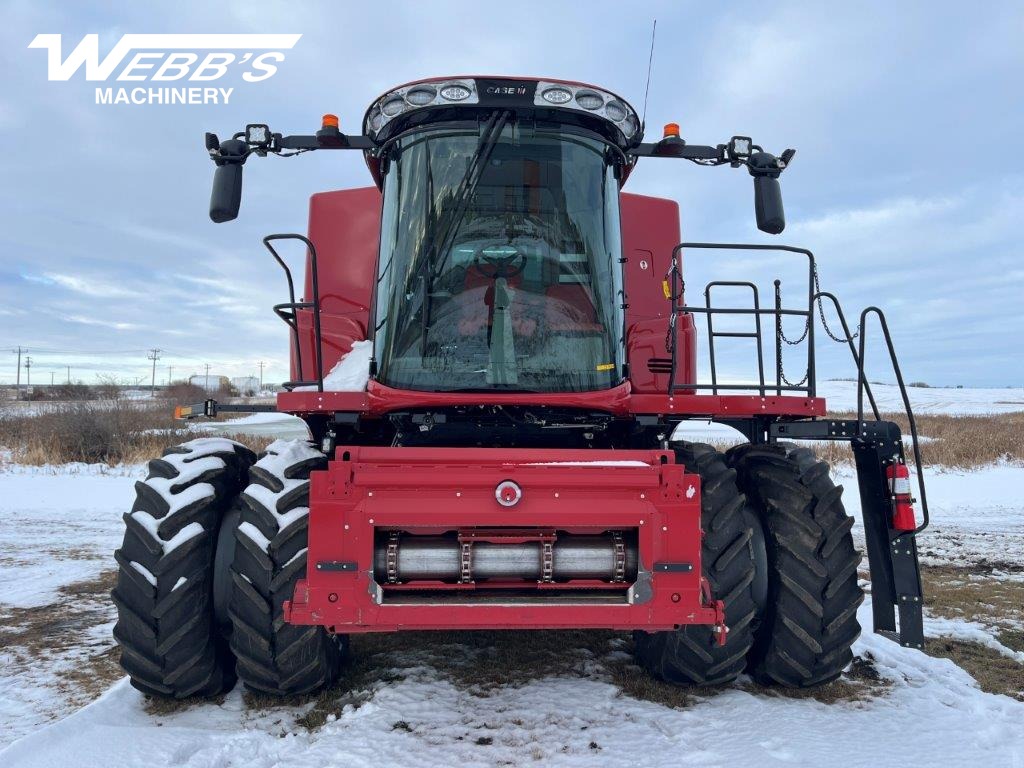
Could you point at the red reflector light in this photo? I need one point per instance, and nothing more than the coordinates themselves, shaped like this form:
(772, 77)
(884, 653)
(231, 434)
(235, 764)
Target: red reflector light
(903, 518)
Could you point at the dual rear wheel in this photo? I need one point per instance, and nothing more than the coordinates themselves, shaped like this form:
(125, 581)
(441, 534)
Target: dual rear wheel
(213, 547)
(778, 551)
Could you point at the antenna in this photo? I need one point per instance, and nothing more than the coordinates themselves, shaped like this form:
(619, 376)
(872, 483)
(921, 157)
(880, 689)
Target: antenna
(650, 63)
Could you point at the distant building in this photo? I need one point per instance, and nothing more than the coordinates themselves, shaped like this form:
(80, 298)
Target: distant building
(245, 384)
(210, 383)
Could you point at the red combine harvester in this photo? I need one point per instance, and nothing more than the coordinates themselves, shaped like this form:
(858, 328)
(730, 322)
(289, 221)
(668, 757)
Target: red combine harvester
(492, 352)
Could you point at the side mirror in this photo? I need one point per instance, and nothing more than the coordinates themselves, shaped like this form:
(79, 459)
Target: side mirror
(226, 196)
(771, 217)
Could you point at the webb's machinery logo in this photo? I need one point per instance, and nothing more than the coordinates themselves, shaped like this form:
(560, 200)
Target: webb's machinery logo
(256, 56)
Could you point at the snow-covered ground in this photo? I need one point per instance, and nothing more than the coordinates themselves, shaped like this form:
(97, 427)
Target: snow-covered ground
(842, 396)
(61, 524)
(929, 712)
(279, 425)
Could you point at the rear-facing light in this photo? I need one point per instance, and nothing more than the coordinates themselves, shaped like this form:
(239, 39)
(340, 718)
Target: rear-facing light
(421, 96)
(455, 92)
(615, 111)
(589, 100)
(557, 95)
(393, 107)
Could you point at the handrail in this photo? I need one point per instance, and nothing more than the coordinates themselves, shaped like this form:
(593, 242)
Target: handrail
(291, 319)
(903, 393)
(853, 351)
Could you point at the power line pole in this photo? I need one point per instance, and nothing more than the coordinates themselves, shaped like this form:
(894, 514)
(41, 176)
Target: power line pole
(207, 377)
(17, 387)
(154, 355)
(170, 373)
(28, 373)
(51, 378)
(261, 374)
(69, 374)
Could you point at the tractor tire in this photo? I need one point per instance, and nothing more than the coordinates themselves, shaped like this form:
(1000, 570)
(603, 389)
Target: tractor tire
(273, 657)
(171, 644)
(732, 560)
(810, 620)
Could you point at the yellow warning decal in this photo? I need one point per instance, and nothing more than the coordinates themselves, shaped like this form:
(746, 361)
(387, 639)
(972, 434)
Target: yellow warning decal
(605, 366)
(666, 289)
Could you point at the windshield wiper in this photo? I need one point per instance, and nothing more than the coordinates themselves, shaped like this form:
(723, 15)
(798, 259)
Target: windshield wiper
(467, 187)
(452, 216)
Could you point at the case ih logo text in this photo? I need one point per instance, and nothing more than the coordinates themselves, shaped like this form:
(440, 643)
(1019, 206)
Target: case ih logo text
(164, 58)
(506, 90)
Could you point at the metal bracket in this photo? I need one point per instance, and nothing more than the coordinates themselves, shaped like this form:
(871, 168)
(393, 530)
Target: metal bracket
(337, 565)
(674, 567)
(830, 429)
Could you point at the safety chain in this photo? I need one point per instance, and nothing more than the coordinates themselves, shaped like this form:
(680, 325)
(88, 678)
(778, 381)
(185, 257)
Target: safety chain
(392, 558)
(548, 562)
(821, 313)
(620, 556)
(466, 563)
(781, 336)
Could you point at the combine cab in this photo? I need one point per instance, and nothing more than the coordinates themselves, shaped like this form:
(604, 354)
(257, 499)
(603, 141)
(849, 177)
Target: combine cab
(493, 351)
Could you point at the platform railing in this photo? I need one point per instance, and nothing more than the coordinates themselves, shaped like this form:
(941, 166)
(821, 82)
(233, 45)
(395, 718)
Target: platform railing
(807, 385)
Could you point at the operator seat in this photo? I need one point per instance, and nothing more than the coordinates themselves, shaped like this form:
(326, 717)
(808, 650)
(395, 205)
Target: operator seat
(569, 307)
(477, 305)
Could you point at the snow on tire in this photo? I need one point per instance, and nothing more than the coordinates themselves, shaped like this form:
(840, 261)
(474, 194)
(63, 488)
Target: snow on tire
(729, 559)
(810, 619)
(169, 641)
(270, 557)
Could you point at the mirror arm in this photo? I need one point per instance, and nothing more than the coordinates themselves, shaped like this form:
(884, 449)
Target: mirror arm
(324, 139)
(230, 155)
(680, 149)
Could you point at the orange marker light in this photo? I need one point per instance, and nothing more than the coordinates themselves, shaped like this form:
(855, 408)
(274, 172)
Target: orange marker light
(330, 121)
(672, 129)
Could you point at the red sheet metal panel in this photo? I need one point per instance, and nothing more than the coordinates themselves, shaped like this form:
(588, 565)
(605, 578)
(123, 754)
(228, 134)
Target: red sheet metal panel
(344, 225)
(428, 489)
(650, 230)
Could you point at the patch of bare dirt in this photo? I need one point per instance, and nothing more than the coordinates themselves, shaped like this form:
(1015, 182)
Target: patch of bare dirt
(56, 637)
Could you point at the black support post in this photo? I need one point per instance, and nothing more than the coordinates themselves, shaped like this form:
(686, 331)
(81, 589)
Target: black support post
(892, 555)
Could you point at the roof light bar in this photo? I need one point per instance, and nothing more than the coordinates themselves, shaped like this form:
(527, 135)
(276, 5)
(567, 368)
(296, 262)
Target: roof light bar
(592, 101)
(582, 99)
(416, 96)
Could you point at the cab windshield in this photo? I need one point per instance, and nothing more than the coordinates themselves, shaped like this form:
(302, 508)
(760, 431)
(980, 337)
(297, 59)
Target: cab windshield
(499, 263)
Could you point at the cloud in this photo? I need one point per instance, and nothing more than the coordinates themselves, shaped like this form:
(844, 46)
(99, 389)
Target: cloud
(862, 222)
(87, 286)
(115, 325)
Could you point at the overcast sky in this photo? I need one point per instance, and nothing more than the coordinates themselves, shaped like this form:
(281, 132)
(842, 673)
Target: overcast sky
(908, 120)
